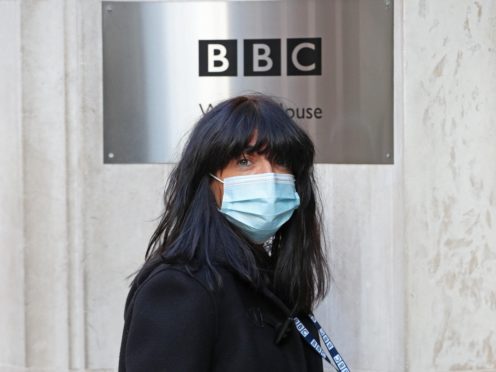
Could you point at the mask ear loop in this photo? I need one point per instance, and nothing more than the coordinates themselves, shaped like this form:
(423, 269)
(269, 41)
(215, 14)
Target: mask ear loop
(216, 178)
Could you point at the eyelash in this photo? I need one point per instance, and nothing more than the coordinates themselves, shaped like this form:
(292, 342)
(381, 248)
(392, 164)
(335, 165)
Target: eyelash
(243, 159)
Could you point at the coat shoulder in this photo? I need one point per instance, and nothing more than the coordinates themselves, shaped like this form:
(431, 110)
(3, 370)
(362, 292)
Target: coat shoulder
(164, 275)
(177, 290)
(170, 310)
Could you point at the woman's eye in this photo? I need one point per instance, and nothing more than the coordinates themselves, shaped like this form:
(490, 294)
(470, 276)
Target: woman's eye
(244, 162)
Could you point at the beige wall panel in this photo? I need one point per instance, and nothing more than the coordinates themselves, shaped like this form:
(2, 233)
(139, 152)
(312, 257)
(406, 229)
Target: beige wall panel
(11, 203)
(450, 184)
(360, 311)
(44, 152)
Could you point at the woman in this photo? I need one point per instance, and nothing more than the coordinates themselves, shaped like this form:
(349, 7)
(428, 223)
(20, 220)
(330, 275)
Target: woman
(236, 259)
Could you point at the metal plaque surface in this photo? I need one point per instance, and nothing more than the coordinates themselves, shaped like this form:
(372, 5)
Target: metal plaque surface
(330, 63)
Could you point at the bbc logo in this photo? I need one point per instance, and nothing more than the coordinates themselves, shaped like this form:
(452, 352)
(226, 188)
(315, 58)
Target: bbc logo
(262, 57)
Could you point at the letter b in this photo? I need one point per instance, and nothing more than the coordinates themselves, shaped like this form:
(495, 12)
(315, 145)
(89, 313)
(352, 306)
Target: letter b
(262, 57)
(218, 57)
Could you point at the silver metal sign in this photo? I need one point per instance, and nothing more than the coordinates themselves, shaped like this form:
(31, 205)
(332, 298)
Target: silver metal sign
(330, 63)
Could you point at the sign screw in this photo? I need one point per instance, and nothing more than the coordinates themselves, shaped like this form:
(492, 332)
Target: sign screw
(388, 155)
(109, 8)
(387, 3)
(110, 155)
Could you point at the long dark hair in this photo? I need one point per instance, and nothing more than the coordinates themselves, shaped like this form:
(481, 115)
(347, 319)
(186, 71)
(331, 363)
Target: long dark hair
(193, 233)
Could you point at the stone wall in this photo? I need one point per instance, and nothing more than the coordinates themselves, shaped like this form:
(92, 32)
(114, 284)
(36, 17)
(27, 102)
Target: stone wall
(413, 245)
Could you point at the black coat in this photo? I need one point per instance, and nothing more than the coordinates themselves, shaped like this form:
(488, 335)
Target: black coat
(173, 323)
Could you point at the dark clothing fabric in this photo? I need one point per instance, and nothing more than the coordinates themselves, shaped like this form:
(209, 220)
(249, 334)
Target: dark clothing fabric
(173, 323)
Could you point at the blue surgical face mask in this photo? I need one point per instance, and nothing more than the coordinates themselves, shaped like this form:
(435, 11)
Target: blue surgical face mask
(259, 204)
